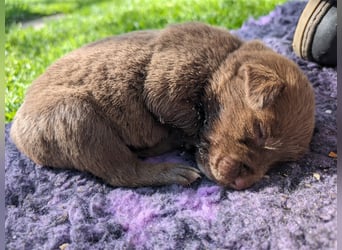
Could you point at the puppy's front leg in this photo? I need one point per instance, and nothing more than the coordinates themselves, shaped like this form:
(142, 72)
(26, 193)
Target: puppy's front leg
(164, 174)
(119, 166)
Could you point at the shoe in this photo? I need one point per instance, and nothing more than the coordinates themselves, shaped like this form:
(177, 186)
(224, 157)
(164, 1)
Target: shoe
(315, 38)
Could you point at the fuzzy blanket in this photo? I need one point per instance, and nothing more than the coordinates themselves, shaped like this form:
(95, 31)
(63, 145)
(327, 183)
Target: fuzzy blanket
(293, 207)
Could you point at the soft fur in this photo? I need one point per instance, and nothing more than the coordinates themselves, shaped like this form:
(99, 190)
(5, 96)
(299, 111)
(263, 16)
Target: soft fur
(103, 107)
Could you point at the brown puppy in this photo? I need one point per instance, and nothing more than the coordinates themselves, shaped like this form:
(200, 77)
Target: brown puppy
(239, 104)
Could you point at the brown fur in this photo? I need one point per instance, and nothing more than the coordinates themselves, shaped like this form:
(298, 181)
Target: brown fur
(239, 104)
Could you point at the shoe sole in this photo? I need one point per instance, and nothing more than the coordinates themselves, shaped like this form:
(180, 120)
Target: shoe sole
(311, 16)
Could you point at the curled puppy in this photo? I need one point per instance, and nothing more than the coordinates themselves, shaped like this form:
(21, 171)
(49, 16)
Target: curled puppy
(239, 105)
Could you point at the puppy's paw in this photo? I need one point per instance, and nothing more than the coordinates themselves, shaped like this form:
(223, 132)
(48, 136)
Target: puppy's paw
(179, 174)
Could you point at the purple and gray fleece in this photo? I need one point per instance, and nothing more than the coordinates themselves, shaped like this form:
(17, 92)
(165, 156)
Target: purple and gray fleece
(293, 207)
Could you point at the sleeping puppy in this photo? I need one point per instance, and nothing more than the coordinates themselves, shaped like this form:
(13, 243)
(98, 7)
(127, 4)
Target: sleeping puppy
(102, 108)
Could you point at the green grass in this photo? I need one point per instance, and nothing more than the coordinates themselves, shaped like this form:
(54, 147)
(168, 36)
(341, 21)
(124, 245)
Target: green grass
(28, 51)
(24, 10)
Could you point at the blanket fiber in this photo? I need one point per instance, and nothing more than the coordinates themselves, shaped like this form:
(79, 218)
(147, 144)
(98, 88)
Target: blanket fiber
(293, 207)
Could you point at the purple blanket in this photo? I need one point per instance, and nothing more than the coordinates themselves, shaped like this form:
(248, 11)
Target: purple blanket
(293, 207)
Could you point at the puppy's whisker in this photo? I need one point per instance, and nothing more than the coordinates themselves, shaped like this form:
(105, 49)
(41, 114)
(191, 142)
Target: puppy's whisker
(270, 148)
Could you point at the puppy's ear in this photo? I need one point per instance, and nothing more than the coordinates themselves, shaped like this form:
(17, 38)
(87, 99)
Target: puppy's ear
(262, 84)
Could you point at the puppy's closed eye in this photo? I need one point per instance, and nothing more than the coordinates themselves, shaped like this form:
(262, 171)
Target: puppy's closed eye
(254, 137)
(259, 133)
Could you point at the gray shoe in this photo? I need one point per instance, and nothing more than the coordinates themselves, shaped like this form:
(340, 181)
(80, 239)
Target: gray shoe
(315, 38)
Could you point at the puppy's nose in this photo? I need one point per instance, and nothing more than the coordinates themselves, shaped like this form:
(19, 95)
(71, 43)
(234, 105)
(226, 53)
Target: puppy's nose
(235, 174)
(240, 183)
(246, 178)
(228, 170)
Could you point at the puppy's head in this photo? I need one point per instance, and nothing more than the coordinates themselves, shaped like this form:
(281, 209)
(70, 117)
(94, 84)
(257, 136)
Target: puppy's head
(260, 112)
